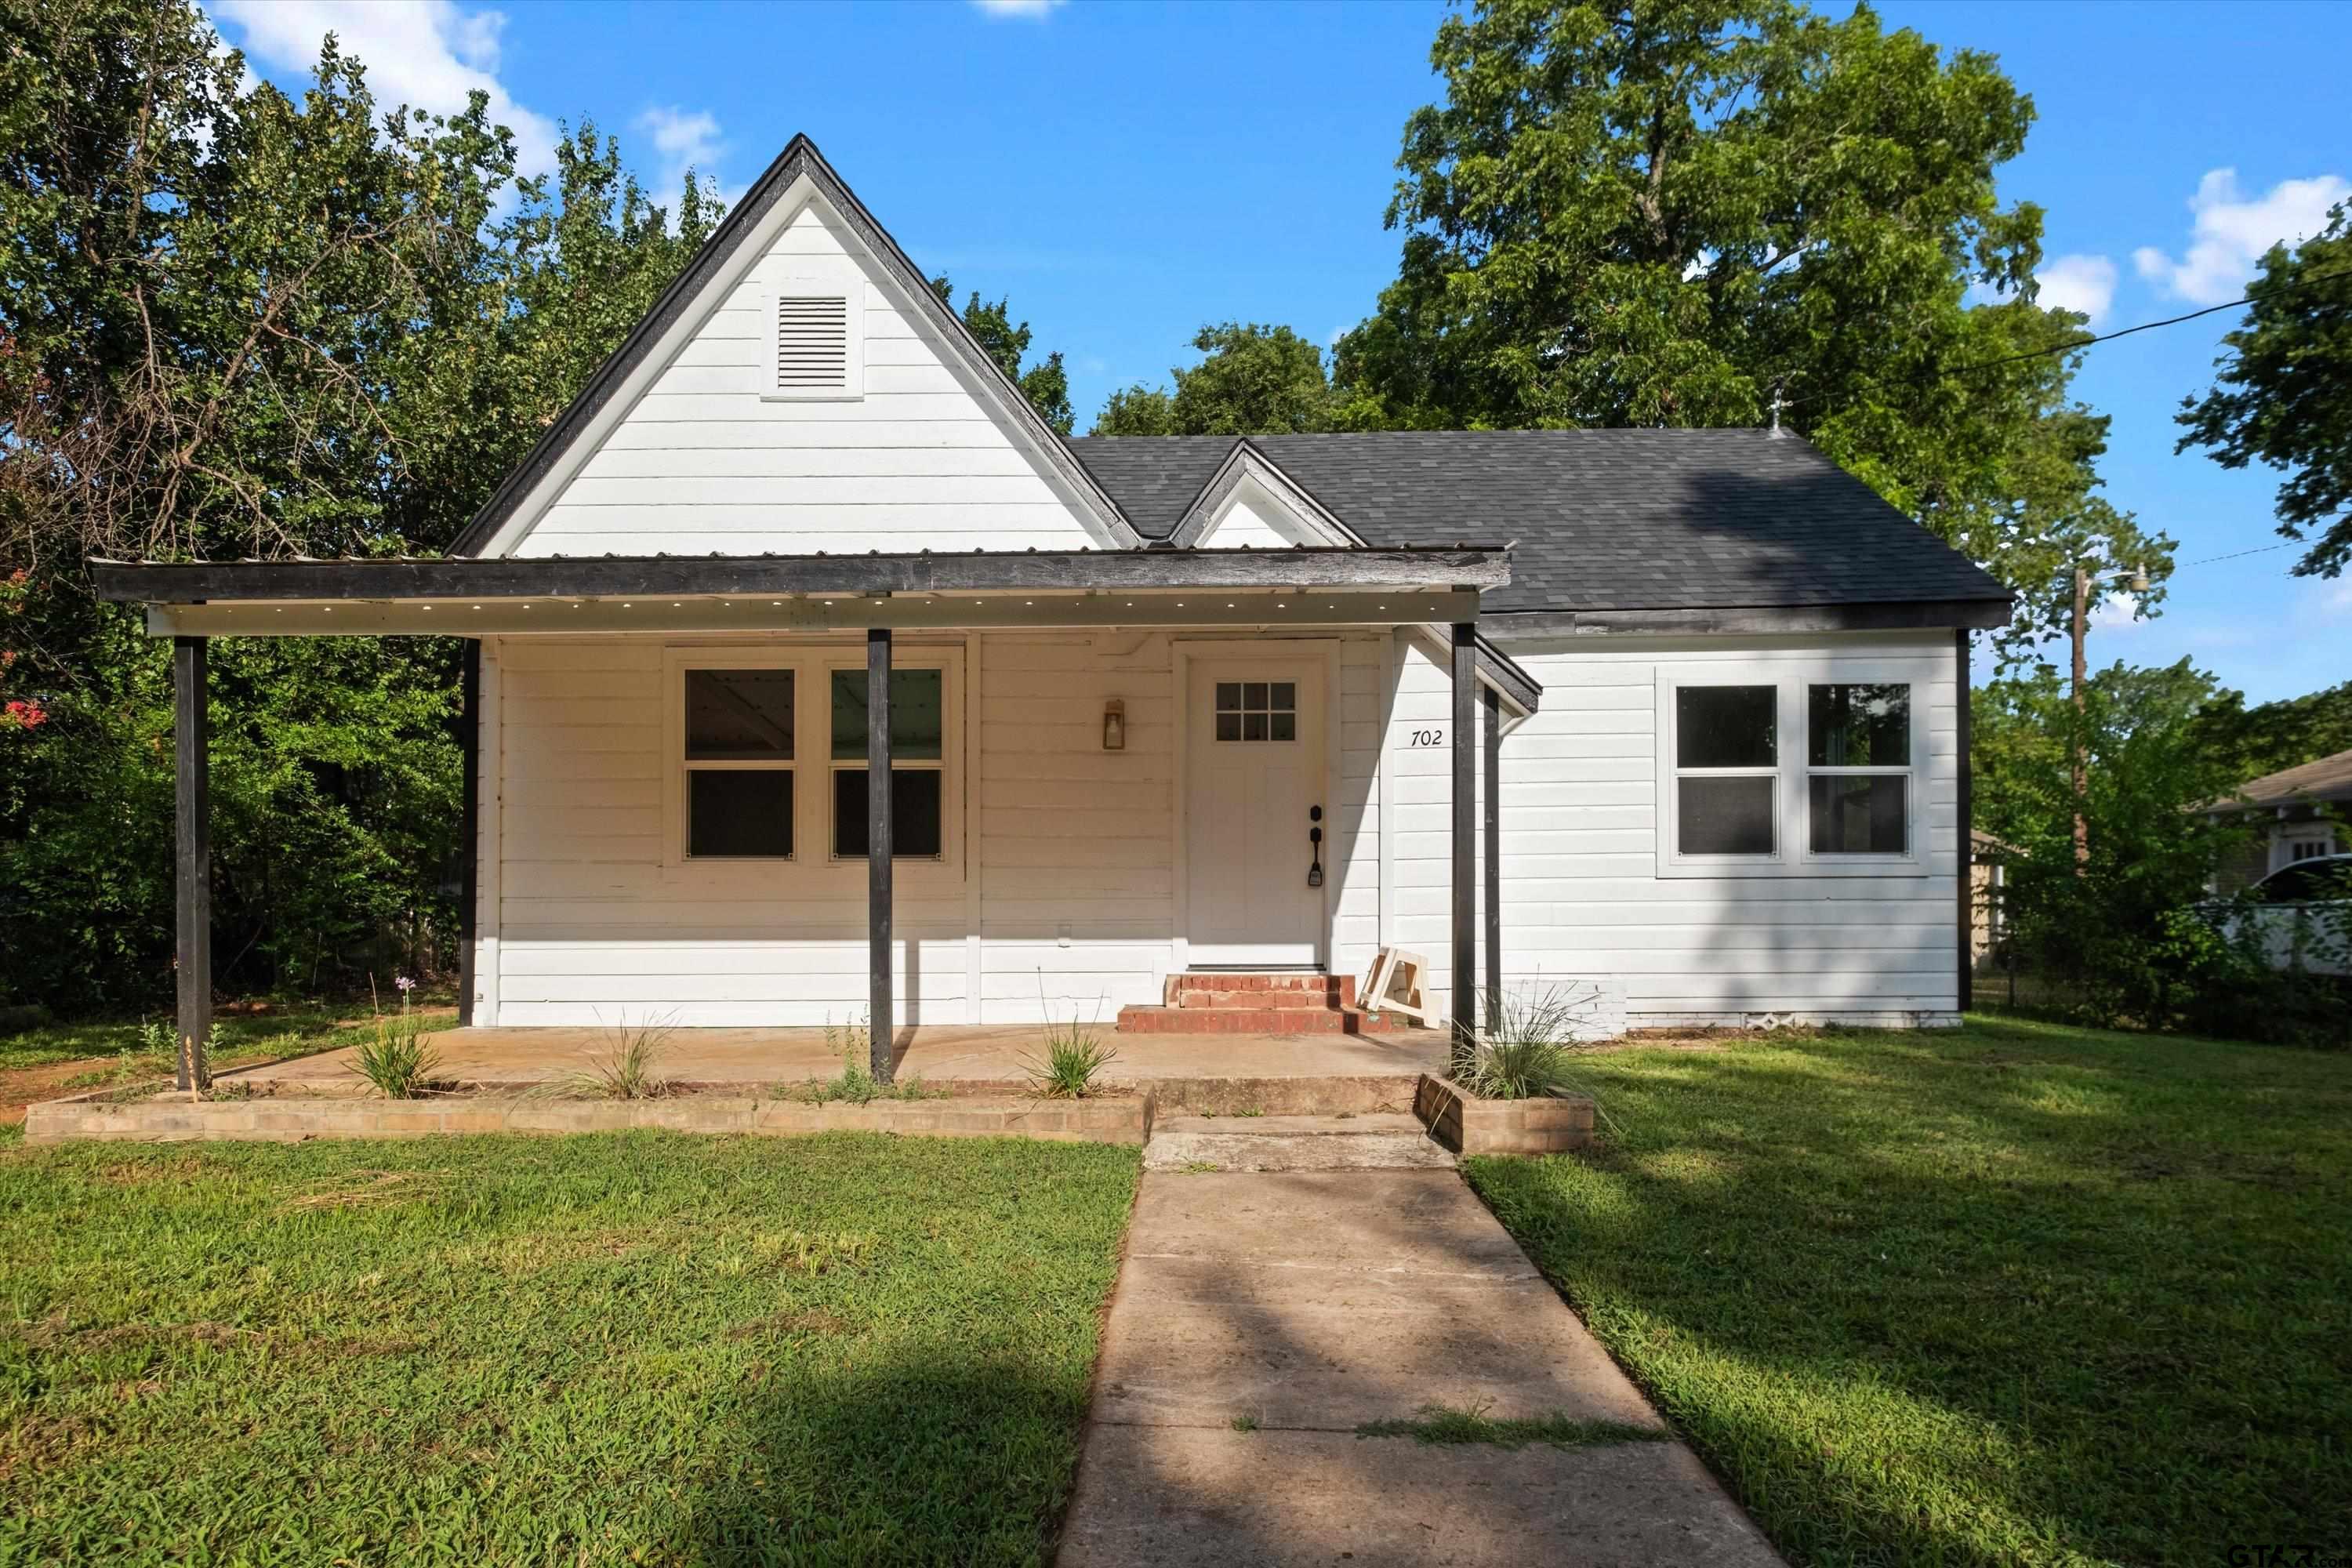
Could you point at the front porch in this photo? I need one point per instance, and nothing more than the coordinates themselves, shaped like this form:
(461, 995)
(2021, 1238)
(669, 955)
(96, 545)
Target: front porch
(1301, 1072)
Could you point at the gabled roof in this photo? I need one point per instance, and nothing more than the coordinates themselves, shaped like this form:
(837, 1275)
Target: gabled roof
(800, 159)
(2328, 778)
(1602, 520)
(1248, 463)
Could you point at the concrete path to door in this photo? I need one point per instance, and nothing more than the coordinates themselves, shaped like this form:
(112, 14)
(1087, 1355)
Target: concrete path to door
(1260, 1320)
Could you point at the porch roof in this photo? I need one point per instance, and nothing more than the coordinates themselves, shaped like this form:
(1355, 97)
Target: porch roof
(977, 589)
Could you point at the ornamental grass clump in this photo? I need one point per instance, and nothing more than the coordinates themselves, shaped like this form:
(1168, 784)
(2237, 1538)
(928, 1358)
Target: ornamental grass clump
(1530, 1045)
(630, 1070)
(1073, 1056)
(395, 1056)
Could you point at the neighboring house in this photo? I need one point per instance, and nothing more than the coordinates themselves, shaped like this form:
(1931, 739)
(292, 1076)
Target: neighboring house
(1130, 683)
(2302, 812)
(1988, 859)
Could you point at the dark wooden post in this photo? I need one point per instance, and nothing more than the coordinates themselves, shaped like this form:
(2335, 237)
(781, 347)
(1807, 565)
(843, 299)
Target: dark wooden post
(881, 1031)
(469, 817)
(1968, 845)
(1465, 842)
(192, 830)
(1494, 832)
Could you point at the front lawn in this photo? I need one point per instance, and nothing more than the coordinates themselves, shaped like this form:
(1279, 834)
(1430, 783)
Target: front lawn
(241, 1037)
(614, 1349)
(2014, 1293)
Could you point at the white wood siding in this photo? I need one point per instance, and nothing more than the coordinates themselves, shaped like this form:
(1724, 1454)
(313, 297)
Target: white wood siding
(1581, 899)
(704, 462)
(1066, 898)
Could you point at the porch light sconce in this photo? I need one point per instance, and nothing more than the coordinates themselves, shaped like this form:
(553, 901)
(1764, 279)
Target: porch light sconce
(1115, 725)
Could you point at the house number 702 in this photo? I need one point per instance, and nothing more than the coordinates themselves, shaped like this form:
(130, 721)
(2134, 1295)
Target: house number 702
(1427, 738)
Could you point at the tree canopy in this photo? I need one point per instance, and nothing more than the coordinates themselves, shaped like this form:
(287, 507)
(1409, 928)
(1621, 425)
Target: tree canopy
(2283, 392)
(1045, 384)
(1253, 380)
(1679, 212)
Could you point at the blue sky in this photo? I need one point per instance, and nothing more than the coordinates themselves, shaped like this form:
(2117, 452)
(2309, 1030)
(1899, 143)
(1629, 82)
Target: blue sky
(1126, 171)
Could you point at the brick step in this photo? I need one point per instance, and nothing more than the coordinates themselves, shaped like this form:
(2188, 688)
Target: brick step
(1253, 1021)
(1215, 990)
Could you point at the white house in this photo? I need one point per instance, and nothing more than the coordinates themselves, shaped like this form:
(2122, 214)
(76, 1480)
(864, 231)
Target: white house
(1676, 713)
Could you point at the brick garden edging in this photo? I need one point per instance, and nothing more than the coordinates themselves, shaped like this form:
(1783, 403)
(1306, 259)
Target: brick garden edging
(1123, 1118)
(1469, 1125)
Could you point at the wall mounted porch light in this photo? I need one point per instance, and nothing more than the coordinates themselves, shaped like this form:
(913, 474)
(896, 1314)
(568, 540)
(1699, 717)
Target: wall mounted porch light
(1115, 725)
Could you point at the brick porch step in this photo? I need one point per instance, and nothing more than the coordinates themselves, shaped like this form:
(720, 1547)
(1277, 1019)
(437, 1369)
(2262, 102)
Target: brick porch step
(1256, 1004)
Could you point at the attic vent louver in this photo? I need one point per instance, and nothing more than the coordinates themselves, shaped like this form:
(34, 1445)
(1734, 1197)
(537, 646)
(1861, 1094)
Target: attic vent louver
(817, 351)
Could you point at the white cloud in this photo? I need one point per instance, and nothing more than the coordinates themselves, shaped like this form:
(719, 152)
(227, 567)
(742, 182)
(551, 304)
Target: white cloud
(427, 54)
(2232, 230)
(2117, 612)
(1027, 10)
(2085, 283)
(684, 142)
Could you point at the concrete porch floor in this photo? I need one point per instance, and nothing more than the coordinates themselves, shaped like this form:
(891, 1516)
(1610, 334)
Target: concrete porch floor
(945, 1054)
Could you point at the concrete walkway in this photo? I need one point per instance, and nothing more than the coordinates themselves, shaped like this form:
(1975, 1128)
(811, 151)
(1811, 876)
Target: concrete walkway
(1310, 1304)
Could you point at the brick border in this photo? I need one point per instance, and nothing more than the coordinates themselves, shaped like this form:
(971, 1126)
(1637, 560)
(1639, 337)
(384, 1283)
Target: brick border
(281, 1118)
(1469, 1125)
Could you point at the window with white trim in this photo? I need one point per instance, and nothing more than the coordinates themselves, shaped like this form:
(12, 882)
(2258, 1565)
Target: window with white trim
(1726, 770)
(918, 763)
(767, 748)
(738, 764)
(1858, 767)
(1793, 766)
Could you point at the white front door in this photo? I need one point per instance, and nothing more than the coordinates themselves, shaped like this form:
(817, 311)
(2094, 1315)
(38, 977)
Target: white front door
(1254, 794)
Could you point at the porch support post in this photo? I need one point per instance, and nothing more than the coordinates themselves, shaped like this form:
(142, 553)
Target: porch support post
(1466, 841)
(881, 1032)
(1494, 847)
(470, 816)
(192, 829)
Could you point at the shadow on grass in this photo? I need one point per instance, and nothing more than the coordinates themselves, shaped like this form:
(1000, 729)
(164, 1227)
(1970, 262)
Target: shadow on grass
(1998, 1296)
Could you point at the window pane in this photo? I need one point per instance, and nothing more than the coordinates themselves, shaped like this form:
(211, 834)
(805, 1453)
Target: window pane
(1724, 816)
(1860, 726)
(1252, 726)
(1229, 726)
(1286, 726)
(1229, 696)
(739, 715)
(1253, 694)
(1286, 694)
(1860, 814)
(918, 719)
(738, 811)
(914, 813)
(1724, 726)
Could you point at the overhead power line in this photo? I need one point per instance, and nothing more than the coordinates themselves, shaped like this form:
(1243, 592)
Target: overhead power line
(2085, 343)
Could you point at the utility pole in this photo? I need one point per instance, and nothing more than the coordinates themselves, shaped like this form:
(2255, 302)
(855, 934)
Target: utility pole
(2082, 761)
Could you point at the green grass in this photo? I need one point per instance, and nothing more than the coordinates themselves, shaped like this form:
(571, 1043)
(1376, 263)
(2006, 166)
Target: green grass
(1452, 1426)
(614, 1349)
(2015, 1293)
(294, 1031)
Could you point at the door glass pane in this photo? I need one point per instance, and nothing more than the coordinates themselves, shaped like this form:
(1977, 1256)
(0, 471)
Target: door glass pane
(1724, 816)
(1252, 726)
(918, 719)
(914, 814)
(739, 715)
(1286, 726)
(1859, 726)
(1724, 726)
(1860, 814)
(739, 812)
(1286, 694)
(1229, 697)
(1253, 695)
(1229, 726)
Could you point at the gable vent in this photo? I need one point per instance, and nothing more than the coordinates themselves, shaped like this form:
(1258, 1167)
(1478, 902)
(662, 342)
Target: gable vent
(816, 347)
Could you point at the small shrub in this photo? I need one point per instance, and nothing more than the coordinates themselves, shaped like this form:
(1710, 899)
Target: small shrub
(397, 1058)
(1528, 1046)
(1074, 1056)
(856, 1083)
(630, 1070)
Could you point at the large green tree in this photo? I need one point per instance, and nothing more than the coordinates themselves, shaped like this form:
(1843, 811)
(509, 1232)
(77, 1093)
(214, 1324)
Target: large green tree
(1688, 212)
(1044, 384)
(237, 321)
(2285, 392)
(1251, 379)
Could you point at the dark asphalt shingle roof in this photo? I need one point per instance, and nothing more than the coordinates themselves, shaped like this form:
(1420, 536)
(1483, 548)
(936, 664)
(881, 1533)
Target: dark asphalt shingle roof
(1613, 520)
